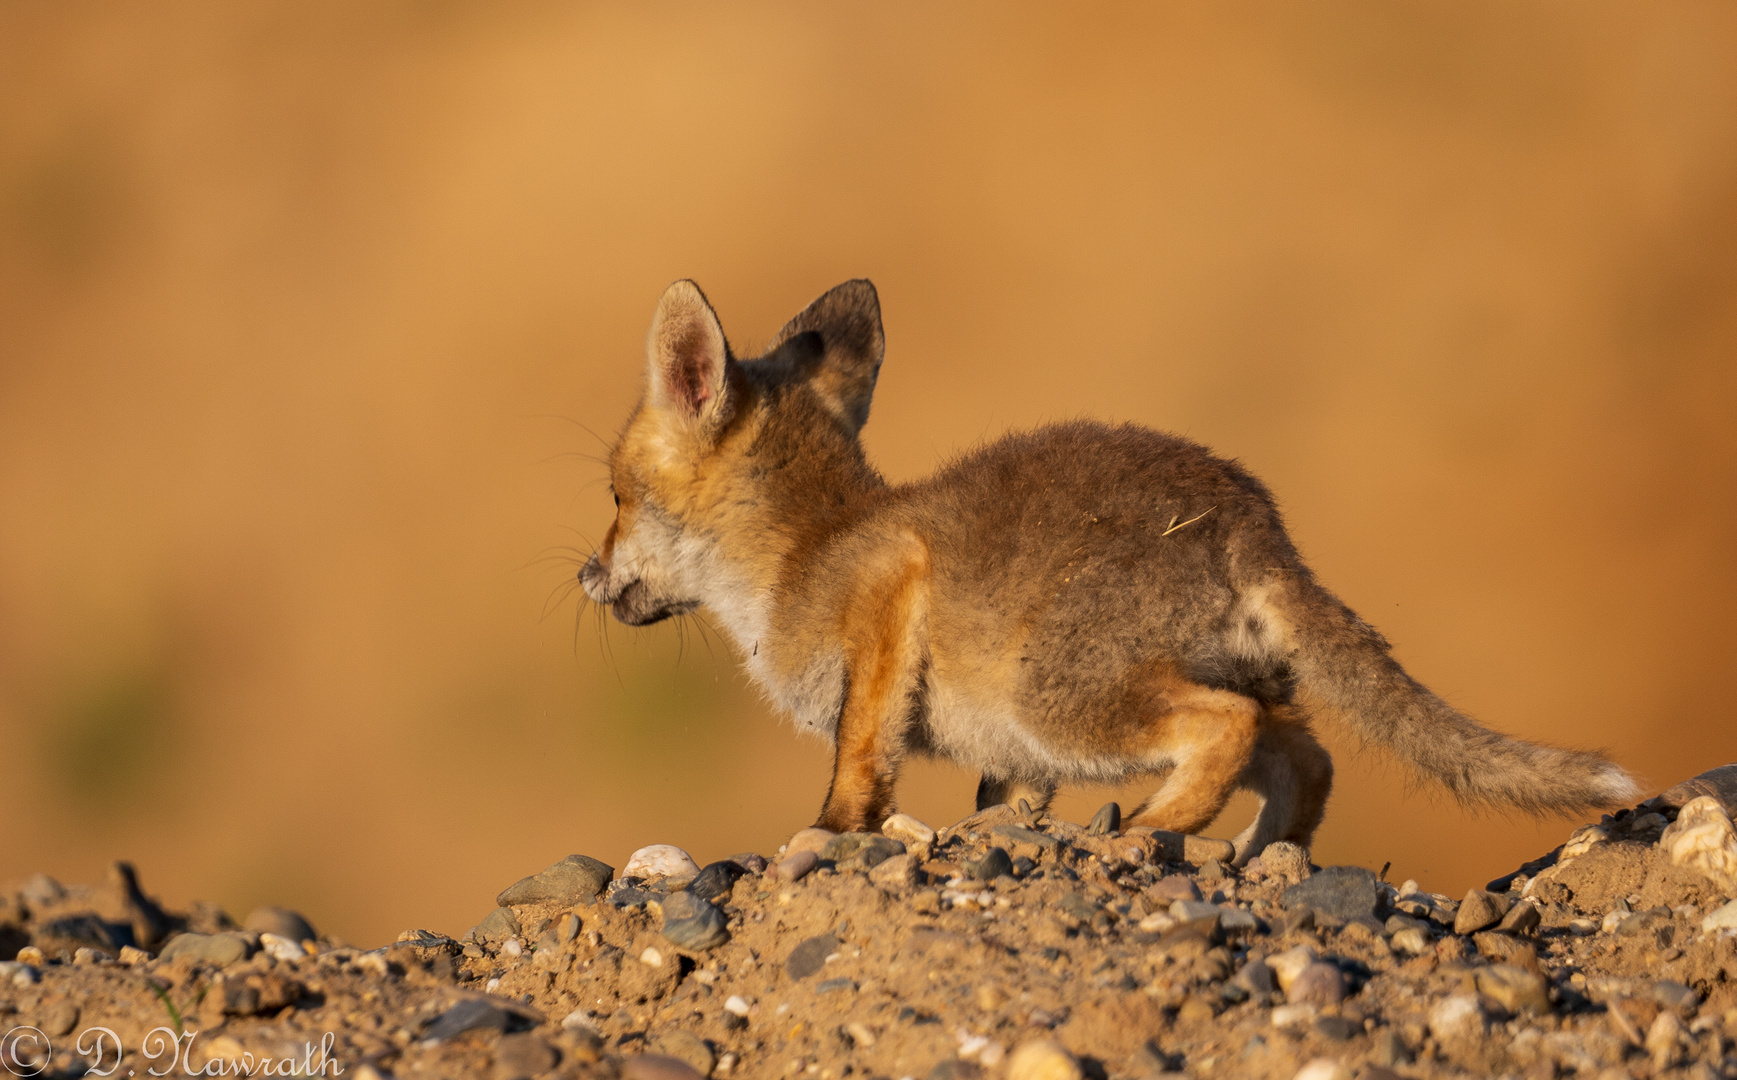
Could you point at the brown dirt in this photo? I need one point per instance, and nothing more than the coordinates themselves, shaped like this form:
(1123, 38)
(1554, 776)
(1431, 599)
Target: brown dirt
(934, 976)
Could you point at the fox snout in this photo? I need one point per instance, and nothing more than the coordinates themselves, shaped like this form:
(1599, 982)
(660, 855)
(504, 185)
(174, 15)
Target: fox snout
(632, 602)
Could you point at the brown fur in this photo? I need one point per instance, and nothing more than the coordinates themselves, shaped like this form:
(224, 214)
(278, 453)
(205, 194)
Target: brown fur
(1080, 602)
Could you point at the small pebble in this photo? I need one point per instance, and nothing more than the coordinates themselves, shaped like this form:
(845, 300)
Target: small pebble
(808, 840)
(736, 1004)
(1480, 910)
(1456, 1017)
(1323, 1069)
(795, 867)
(1289, 964)
(1043, 1059)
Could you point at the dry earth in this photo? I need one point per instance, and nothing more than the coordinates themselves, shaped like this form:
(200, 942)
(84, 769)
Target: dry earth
(1007, 945)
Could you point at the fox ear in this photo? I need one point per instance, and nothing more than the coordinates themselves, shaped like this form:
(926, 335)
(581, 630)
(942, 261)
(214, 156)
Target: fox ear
(846, 327)
(687, 354)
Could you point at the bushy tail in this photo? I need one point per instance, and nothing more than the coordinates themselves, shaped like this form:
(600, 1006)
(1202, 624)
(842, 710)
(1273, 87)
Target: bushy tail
(1342, 665)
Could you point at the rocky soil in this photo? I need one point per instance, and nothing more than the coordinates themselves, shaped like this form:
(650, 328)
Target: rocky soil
(1004, 945)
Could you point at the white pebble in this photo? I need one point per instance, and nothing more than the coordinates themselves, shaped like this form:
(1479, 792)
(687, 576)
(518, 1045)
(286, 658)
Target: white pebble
(1293, 1016)
(281, 949)
(1724, 918)
(651, 957)
(512, 947)
(660, 861)
(1323, 1069)
(737, 1004)
(579, 1020)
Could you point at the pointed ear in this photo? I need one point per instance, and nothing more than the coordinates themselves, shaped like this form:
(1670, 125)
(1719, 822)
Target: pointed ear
(687, 355)
(844, 327)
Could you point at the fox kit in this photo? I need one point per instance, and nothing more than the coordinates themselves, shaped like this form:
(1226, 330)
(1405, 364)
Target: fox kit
(1077, 603)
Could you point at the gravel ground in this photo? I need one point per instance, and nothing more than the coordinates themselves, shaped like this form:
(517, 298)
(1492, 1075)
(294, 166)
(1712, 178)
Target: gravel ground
(1008, 944)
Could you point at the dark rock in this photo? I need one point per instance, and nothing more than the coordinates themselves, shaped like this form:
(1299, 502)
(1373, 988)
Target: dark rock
(577, 879)
(955, 1069)
(716, 880)
(1301, 919)
(524, 1055)
(810, 956)
(472, 1014)
(1342, 893)
(750, 861)
(280, 921)
(1720, 783)
(994, 863)
(1107, 820)
(633, 897)
(693, 923)
(830, 985)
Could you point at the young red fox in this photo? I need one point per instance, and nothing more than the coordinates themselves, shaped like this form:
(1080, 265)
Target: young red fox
(1076, 603)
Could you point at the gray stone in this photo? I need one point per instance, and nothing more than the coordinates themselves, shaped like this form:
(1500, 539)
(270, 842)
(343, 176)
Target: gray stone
(1720, 784)
(830, 985)
(1339, 892)
(280, 921)
(524, 1055)
(1396, 923)
(219, 949)
(632, 896)
(860, 850)
(1317, 984)
(716, 880)
(577, 879)
(750, 861)
(567, 928)
(84, 930)
(1235, 922)
(471, 1014)
(498, 924)
(994, 863)
(1257, 978)
(1522, 919)
(693, 923)
(1336, 1028)
(1480, 910)
(810, 956)
(1107, 820)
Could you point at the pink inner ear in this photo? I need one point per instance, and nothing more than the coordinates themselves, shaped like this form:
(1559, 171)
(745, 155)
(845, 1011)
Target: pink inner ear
(691, 373)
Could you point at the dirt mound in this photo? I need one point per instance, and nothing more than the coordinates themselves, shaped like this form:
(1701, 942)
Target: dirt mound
(919, 955)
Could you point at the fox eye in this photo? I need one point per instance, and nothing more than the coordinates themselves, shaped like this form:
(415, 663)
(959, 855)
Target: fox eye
(616, 497)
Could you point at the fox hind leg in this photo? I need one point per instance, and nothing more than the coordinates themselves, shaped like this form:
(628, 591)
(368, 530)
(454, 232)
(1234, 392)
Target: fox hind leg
(1292, 774)
(1210, 736)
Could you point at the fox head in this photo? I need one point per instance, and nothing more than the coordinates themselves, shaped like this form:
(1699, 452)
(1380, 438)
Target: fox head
(727, 464)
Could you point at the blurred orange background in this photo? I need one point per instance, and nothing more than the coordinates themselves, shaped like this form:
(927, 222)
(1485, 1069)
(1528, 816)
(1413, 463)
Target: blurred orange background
(306, 310)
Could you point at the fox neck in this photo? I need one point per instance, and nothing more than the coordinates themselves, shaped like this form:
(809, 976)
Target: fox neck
(802, 504)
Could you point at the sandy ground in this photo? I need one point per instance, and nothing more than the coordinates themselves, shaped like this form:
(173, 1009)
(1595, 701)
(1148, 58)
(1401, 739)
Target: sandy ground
(1008, 944)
